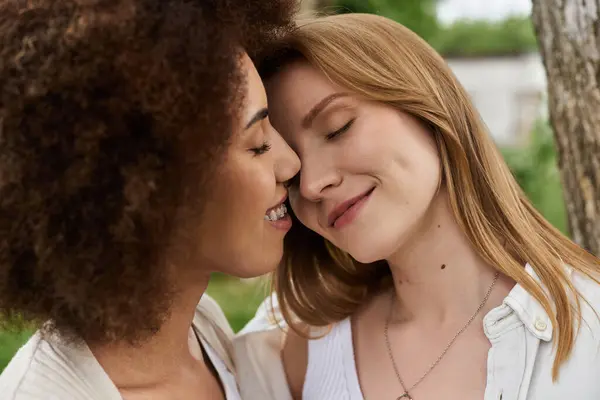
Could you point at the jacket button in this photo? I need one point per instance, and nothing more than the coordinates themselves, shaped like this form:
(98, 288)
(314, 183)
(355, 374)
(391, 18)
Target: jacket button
(540, 324)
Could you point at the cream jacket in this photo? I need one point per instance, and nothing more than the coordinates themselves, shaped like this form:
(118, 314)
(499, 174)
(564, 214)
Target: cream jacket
(46, 369)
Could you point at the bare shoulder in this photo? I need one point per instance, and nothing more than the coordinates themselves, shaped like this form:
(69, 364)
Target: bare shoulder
(295, 361)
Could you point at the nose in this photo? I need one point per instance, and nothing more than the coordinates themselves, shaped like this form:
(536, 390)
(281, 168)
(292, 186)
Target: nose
(287, 163)
(317, 176)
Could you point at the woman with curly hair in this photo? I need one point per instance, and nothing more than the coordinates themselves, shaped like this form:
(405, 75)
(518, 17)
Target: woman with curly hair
(419, 270)
(136, 158)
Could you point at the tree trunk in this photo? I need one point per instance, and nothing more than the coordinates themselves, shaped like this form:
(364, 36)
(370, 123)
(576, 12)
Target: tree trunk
(568, 33)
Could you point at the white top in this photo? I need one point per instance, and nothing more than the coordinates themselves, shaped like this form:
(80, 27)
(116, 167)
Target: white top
(332, 367)
(519, 362)
(225, 375)
(47, 369)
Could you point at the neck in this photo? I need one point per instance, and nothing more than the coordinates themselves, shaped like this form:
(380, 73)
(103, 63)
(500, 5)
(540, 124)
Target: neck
(438, 275)
(158, 359)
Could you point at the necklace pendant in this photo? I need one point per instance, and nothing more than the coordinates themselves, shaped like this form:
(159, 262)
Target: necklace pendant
(405, 395)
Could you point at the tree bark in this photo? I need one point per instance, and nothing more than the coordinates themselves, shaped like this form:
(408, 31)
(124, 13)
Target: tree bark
(568, 33)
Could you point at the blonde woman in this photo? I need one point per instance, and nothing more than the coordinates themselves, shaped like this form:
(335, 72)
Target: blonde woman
(422, 271)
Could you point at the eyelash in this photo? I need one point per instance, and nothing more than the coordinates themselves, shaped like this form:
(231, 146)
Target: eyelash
(266, 146)
(343, 129)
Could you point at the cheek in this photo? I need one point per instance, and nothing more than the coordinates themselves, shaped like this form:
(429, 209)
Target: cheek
(255, 192)
(421, 158)
(364, 150)
(244, 192)
(405, 144)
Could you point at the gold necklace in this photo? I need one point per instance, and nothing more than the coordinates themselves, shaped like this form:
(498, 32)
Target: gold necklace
(406, 394)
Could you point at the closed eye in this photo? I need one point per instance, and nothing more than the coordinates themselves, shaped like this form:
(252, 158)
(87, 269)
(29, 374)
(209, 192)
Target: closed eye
(343, 129)
(262, 149)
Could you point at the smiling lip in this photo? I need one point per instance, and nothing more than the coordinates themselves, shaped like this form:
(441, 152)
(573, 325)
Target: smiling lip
(283, 224)
(341, 208)
(284, 198)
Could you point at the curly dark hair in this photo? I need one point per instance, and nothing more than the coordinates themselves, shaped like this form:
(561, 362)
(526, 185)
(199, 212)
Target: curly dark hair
(106, 107)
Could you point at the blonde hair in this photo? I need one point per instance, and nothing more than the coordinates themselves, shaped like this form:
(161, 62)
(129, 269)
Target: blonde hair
(383, 61)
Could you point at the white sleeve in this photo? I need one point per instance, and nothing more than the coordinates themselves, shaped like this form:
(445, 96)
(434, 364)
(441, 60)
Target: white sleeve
(257, 355)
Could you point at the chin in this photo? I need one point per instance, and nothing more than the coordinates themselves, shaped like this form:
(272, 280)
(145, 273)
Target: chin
(366, 252)
(365, 258)
(260, 267)
(365, 255)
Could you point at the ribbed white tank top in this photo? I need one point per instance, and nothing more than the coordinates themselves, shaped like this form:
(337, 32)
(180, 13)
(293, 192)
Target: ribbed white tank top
(331, 371)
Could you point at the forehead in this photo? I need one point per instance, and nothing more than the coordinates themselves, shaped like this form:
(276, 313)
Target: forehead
(298, 87)
(254, 85)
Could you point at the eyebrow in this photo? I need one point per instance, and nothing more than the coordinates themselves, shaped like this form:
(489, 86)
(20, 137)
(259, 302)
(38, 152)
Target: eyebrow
(259, 116)
(319, 107)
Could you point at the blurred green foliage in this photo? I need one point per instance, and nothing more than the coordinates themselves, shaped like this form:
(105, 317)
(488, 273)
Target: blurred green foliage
(418, 15)
(466, 38)
(9, 343)
(239, 299)
(463, 38)
(535, 167)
